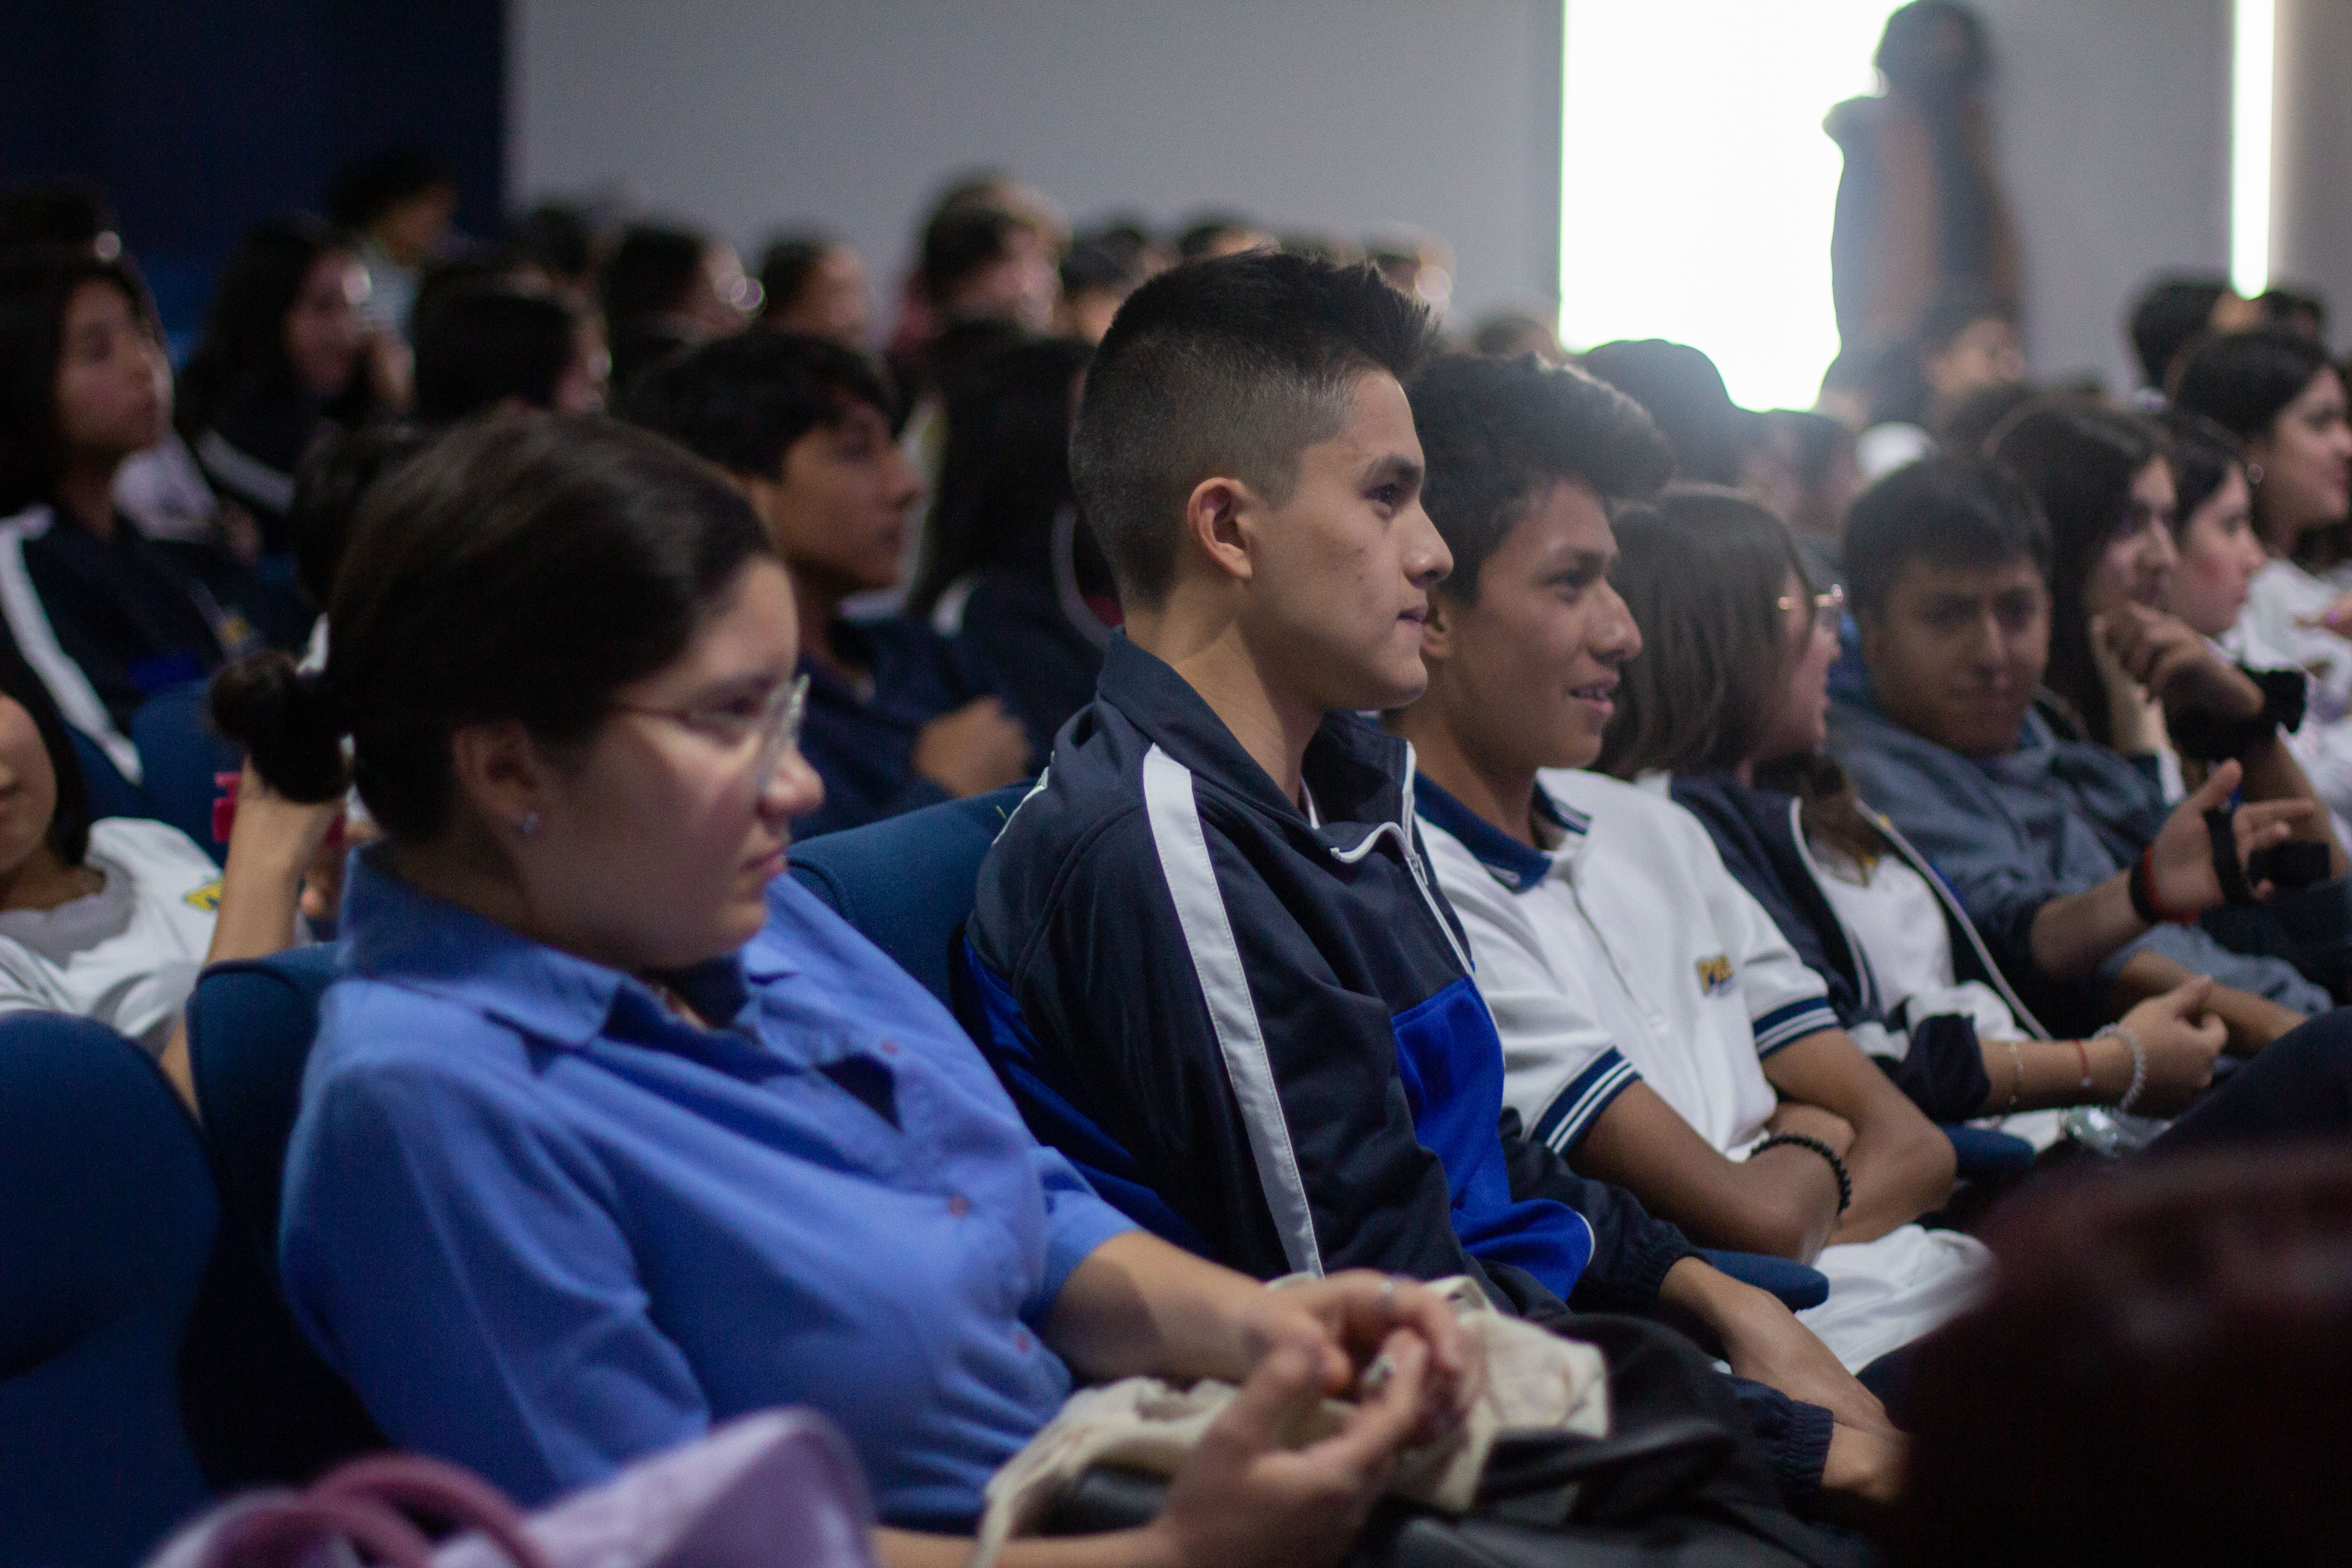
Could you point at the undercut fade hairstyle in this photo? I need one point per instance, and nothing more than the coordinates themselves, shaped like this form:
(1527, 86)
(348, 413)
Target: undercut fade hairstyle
(1954, 511)
(1497, 434)
(1226, 367)
(2079, 459)
(519, 569)
(743, 402)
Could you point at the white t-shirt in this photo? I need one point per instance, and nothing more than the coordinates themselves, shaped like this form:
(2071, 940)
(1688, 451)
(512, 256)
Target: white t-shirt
(128, 954)
(2270, 634)
(1629, 951)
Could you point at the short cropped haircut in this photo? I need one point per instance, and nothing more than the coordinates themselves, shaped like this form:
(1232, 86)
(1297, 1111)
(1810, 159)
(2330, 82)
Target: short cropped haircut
(1232, 366)
(1497, 433)
(1944, 510)
(743, 402)
(2165, 317)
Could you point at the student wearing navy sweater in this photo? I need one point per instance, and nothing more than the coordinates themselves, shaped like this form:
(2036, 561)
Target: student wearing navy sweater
(1207, 952)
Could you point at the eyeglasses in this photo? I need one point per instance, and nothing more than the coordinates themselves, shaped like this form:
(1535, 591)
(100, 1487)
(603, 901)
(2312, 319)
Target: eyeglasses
(773, 719)
(1829, 608)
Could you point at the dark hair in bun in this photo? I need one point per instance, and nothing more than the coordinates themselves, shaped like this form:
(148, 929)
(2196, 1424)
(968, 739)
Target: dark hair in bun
(522, 569)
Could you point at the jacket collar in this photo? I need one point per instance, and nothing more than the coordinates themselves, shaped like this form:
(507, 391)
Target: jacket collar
(412, 940)
(1515, 864)
(1356, 772)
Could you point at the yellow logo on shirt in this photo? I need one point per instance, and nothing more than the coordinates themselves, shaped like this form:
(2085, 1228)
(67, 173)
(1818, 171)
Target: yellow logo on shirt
(1715, 974)
(207, 897)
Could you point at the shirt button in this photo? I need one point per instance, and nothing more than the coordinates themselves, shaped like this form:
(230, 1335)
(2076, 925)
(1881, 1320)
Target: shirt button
(1021, 1341)
(958, 1206)
(889, 1048)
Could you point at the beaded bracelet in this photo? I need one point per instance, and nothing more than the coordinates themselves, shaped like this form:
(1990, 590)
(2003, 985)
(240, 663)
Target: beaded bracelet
(2139, 1064)
(1837, 1167)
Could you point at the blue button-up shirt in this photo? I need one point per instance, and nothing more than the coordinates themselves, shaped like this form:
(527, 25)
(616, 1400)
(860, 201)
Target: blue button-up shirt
(543, 1225)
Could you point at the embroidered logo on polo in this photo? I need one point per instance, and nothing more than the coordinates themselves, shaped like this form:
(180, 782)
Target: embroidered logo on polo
(207, 897)
(1715, 974)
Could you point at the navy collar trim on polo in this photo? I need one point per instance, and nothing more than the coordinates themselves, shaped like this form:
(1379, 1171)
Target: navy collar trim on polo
(1354, 769)
(411, 939)
(1515, 864)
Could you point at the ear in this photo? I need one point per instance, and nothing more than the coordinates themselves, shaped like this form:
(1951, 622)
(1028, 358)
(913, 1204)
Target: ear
(502, 776)
(1218, 519)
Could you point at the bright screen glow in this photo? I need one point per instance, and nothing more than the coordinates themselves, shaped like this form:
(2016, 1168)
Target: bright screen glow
(1698, 185)
(2252, 59)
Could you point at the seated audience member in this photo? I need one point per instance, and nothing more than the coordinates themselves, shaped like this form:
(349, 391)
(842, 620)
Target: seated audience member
(555, 246)
(814, 283)
(1008, 566)
(398, 205)
(105, 615)
(1969, 424)
(1682, 391)
(2172, 313)
(2221, 555)
(898, 716)
(1966, 342)
(1507, 334)
(2138, 680)
(1737, 722)
(2275, 391)
(333, 480)
(1206, 951)
(2158, 1377)
(287, 354)
(483, 347)
(666, 291)
(1211, 234)
(596, 1061)
(989, 262)
(2060, 850)
(113, 919)
(1803, 468)
(1648, 1010)
(1098, 275)
(2296, 310)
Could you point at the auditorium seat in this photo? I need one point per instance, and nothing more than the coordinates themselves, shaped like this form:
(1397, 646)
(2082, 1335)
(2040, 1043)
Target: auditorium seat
(105, 1240)
(262, 1406)
(180, 756)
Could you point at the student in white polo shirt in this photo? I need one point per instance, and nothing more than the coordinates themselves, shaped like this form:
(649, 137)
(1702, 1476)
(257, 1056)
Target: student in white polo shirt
(114, 920)
(1656, 1028)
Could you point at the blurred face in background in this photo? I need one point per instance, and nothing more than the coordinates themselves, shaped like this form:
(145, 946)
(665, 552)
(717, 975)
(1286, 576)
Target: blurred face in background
(721, 300)
(1021, 285)
(1956, 652)
(836, 301)
(2138, 561)
(325, 331)
(1986, 353)
(113, 386)
(838, 507)
(2219, 554)
(2306, 460)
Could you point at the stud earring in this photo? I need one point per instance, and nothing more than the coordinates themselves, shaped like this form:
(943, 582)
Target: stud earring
(529, 825)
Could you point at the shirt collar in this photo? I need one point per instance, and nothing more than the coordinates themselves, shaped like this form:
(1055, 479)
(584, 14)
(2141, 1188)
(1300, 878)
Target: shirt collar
(411, 939)
(1517, 866)
(1354, 768)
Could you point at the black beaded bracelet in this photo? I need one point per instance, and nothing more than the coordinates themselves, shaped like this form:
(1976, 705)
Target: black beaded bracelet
(1802, 1141)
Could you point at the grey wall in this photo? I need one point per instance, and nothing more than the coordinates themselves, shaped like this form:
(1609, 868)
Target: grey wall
(2112, 118)
(1326, 114)
(2311, 199)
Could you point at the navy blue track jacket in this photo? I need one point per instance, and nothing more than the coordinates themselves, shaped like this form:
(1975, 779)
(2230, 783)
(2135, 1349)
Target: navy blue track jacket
(1257, 1033)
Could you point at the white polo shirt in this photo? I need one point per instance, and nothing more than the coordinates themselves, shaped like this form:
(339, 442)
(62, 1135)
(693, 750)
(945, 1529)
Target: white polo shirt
(127, 954)
(1628, 951)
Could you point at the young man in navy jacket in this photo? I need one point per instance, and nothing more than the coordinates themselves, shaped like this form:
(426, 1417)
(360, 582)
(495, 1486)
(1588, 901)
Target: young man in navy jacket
(1207, 954)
